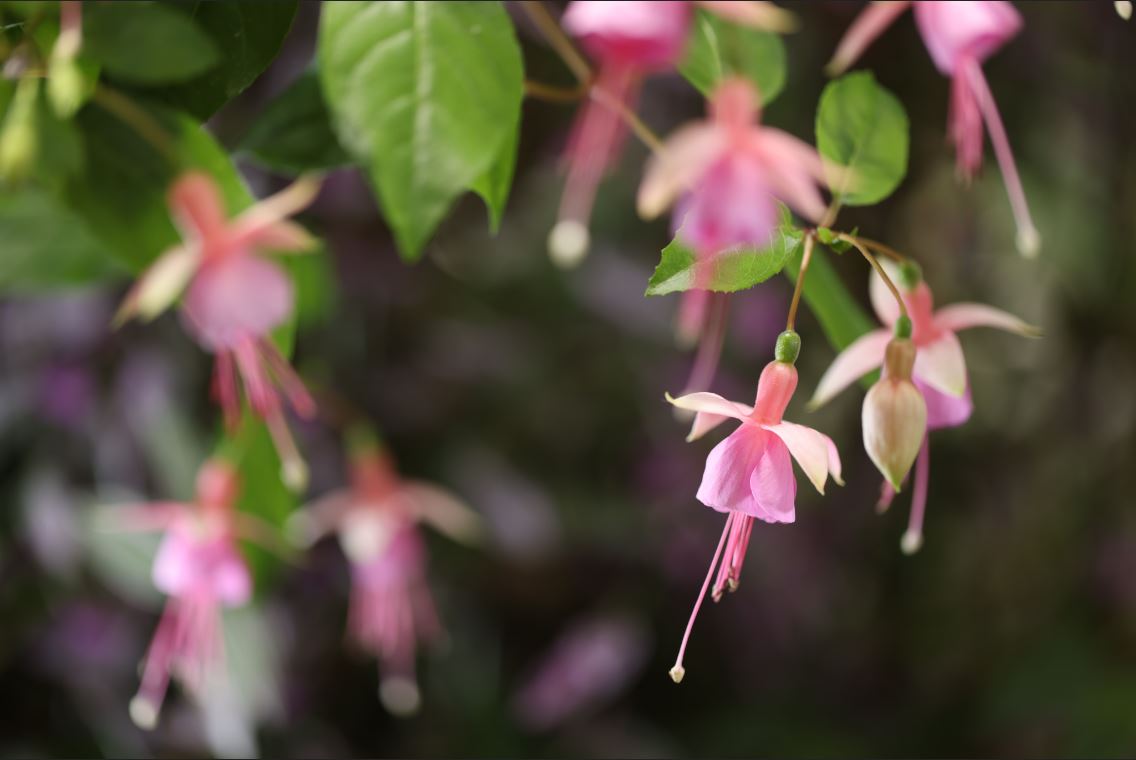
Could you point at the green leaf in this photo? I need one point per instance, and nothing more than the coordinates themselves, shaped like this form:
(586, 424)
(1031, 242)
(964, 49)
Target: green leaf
(46, 245)
(146, 43)
(294, 134)
(426, 95)
(861, 126)
(493, 186)
(841, 317)
(718, 49)
(729, 271)
(249, 34)
(122, 194)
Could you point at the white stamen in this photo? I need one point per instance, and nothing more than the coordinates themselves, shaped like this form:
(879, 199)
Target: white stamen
(1029, 242)
(400, 696)
(911, 542)
(1123, 9)
(144, 713)
(568, 243)
(677, 673)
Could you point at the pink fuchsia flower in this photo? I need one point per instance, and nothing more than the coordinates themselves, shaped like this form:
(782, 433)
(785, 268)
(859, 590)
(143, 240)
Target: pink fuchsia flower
(200, 569)
(749, 475)
(628, 41)
(234, 299)
(727, 174)
(939, 370)
(377, 519)
(960, 36)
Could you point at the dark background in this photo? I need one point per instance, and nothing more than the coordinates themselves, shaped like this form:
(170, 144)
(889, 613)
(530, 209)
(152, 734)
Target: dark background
(537, 395)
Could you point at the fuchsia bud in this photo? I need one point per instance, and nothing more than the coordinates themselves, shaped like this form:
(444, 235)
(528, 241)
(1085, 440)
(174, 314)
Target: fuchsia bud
(895, 415)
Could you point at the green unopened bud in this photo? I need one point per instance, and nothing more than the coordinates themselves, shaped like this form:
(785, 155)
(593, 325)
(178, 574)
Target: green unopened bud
(903, 326)
(910, 275)
(65, 86)
(19, 142)
(788, 347)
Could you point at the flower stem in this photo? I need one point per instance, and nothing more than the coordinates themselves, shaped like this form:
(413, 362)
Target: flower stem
(645, 134)
(543, 20)
(879, 269)
(555, 94)
(134, 116)
(886, 250)
(806, 257)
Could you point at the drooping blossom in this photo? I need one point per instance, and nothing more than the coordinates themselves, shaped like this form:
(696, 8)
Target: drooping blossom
(234, 298)
(376, 519)
(749, 475)
(725, 177)
(628, 41)
(200, 569)
(939, 370)
(959, 35)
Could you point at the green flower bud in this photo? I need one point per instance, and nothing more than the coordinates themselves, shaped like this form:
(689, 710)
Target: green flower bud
(788, 347)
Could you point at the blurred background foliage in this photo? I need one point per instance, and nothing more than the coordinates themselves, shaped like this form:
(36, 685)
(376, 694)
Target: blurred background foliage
(537, 395)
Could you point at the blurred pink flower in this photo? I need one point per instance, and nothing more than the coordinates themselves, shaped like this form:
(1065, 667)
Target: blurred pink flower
(939, 371)
(960, 35)
(749, 475)
(234, 299)
(200, 569)
(376, 519)
(628, 41)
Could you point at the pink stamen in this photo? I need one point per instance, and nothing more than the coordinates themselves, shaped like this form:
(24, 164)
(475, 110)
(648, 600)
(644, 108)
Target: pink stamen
(1028, 237)
(260, 394)
(225, 389)
(294, 388)
(293, 470)
(678, 671)
(913, 538)
(887, 495)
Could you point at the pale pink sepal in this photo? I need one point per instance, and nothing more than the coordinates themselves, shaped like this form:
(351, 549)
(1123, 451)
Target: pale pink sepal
(812, 450)
(963, 316)
(711, 411)
(161, 284)
(757, 15)
(686, 156)
(442, 510)
(941, 364)
(870, 24)
(865, 354)
(264, 225)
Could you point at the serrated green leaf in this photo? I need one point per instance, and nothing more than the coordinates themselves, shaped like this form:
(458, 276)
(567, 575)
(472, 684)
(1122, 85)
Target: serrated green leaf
(425, 95)
(862, 127)
(294, 133)
(146, 43)
(729, 271)
(248, 34)
(46, 245)
(493, 186)
(718, 49)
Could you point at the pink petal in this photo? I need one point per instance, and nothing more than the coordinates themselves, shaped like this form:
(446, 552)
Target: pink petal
(869, 25)
(731, 206)
(793, 169)
(236, 298)
(864, 355)
(711, 403)
(809, 447)
(444, 511)
(883, 302)
(726, 479)
(943, 410)
(942, 366)
(773, 485)
(953, 31)
(197, 208)
(643, 35)
(686, 156)
(161, 284)
(962, 316)
(757, 15)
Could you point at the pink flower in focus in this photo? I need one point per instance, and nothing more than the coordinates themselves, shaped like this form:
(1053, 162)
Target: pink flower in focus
(939, 372)
(234, 299)
(391, 606)
(960, 35)
(200, 569)
(749, 474)
(628, 40)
